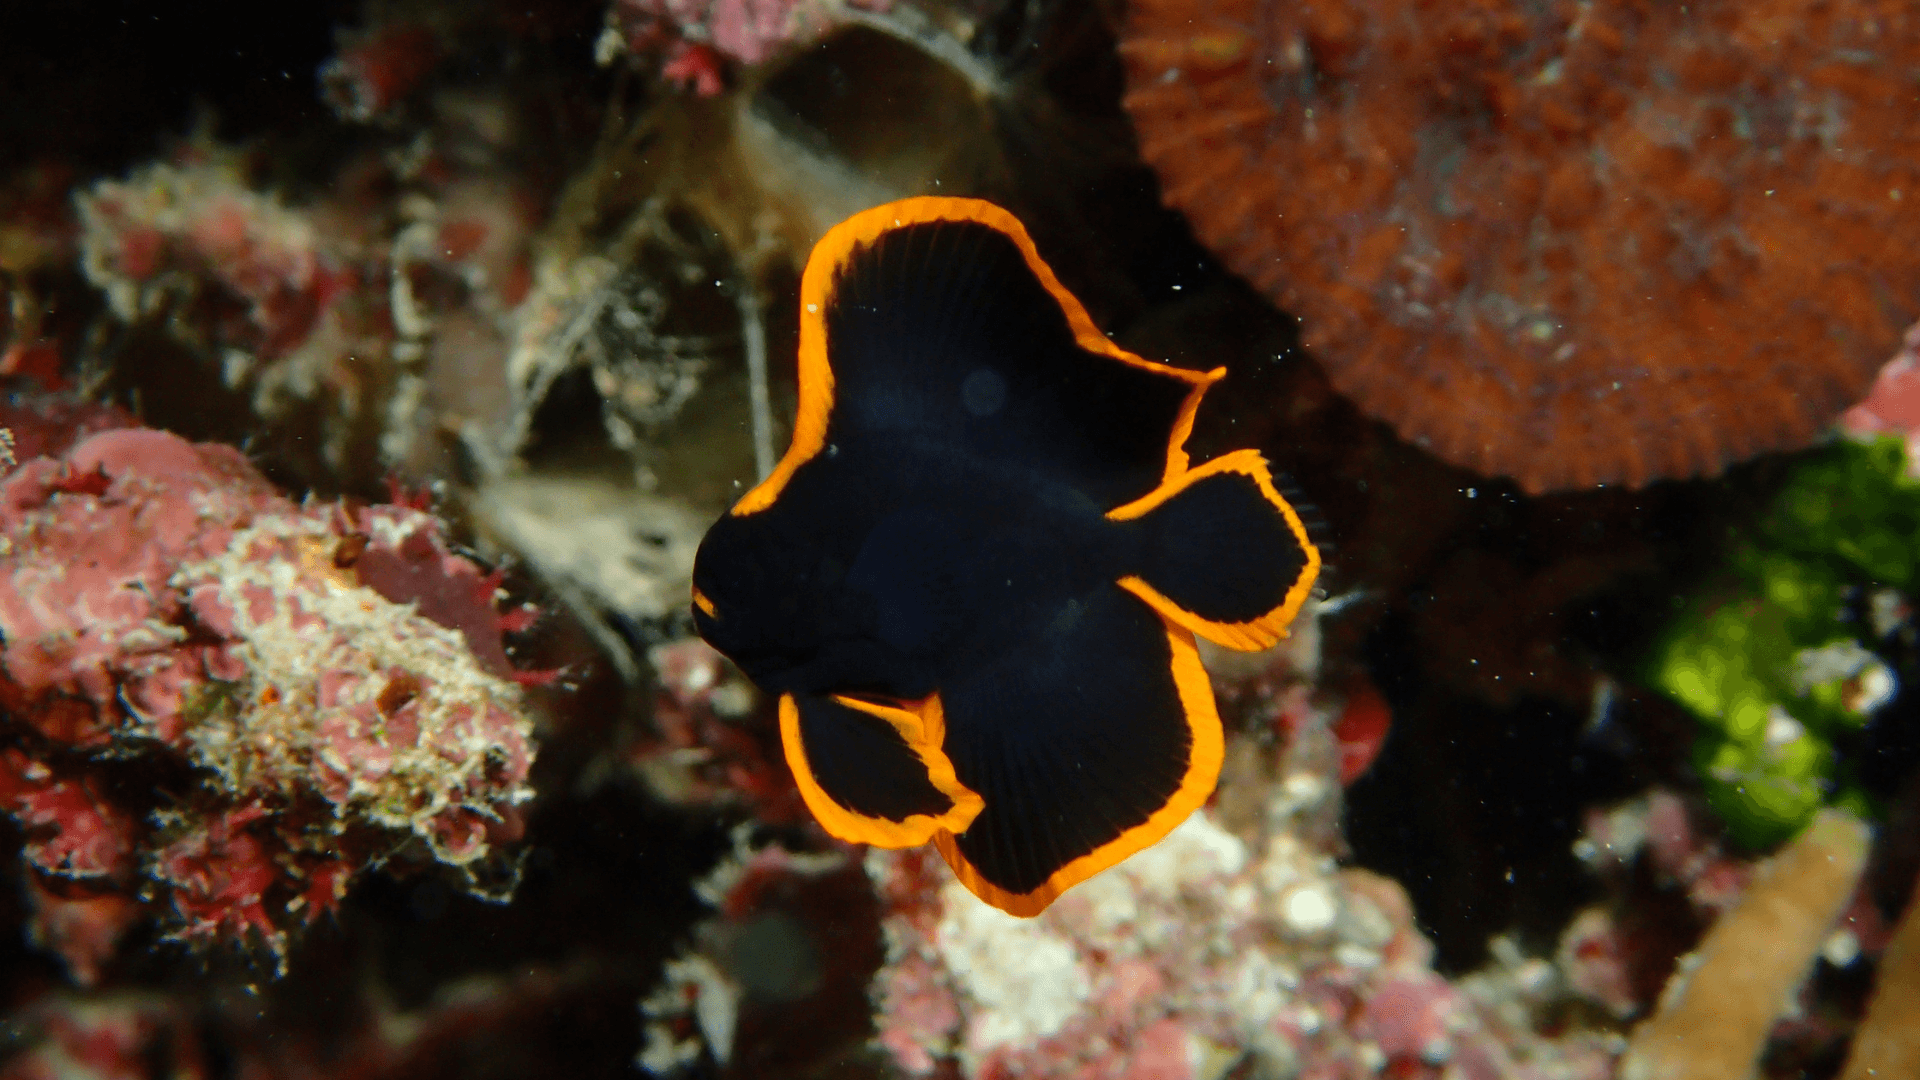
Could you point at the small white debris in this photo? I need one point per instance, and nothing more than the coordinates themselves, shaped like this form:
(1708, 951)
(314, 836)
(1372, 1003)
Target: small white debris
(1310, 909)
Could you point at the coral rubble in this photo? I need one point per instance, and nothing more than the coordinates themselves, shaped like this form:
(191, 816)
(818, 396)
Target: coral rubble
(277, 299)
(221, 706)
(1217, 952)
(1573, 244)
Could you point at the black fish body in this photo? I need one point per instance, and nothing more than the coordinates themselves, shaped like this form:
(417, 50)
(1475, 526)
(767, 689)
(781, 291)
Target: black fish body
(974, 579)
(898, 587)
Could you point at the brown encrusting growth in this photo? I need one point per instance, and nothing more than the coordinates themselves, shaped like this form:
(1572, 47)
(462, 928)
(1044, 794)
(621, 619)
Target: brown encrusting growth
(1574, 244)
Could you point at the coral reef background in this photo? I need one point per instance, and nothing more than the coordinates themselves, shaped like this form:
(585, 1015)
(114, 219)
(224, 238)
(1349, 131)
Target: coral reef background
(371, 369)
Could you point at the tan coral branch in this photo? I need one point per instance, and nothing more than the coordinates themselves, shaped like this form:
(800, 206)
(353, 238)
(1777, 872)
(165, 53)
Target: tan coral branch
(1717, 1013)
(1887, 1043)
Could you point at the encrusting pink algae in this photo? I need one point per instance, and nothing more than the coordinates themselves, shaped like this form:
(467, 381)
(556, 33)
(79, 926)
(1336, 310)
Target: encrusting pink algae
(316, 689)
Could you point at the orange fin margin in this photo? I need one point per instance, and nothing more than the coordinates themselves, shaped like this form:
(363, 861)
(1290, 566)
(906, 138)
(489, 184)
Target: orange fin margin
(922, 724)
(816, 379)
(1207, 751)
(1268, 629)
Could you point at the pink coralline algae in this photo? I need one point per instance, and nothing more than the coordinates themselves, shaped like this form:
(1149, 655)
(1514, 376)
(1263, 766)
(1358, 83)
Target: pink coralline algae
(45, 425)
(376, 69)
(227, 704)
(1206, 955)
(1219, 951)
(113, 1038)
(715, 743)
(693, 38)
(127, 1035)
(326, 313)
(1676, 838)
(1892, 407)
(82, 852)
(161, 237)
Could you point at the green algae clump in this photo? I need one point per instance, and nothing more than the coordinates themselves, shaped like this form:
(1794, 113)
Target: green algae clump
(1778, 659)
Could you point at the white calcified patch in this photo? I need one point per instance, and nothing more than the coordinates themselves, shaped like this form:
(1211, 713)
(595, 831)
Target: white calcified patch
(1887, 609)
(1197, 850)
(1871, 689)
(1262, 989)
(1022, 977)
(1310, 909)
(692, 984)
(1828, 663)
(1867, 684)
(1782, 729)
(1196, 853)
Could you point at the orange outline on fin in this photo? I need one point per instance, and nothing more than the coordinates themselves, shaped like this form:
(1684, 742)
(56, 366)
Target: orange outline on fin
(1259, 633)
(1207, 751)
(816, 296)
(923, 725)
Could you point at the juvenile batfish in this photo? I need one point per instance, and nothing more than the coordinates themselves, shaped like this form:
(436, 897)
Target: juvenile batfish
(974, 580)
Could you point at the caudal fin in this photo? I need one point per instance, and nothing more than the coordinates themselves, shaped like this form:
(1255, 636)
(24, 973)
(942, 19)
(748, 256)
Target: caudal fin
(1225, 555)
